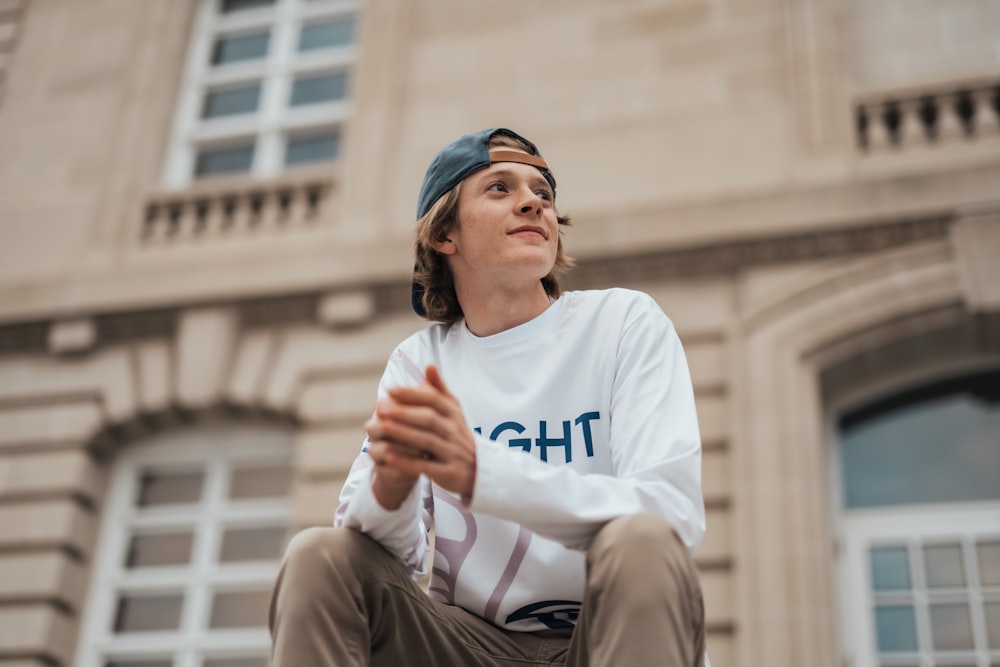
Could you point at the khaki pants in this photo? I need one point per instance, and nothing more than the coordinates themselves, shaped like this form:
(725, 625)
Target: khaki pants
(342, 600)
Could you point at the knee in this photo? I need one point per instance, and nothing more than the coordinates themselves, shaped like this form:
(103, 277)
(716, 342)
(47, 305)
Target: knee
(637, 542)
(327, 548)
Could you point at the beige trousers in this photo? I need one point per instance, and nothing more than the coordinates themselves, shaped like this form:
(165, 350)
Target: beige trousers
(342, 600)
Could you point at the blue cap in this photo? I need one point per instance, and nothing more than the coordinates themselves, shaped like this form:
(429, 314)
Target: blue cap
(464, 156)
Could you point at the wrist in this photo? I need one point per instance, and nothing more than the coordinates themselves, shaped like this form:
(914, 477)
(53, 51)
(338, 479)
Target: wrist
(391, 493)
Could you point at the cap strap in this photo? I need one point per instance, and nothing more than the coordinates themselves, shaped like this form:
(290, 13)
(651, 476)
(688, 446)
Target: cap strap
(517, 156)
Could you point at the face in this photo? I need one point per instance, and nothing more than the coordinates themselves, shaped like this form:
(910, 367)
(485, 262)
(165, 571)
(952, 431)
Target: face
(507, 229)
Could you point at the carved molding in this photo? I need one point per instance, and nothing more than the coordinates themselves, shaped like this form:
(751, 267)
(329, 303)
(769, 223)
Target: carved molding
(702, 261)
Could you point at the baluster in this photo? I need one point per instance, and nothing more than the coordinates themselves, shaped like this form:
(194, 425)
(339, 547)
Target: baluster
(212, 225)
(911, 130)
(186, 227)
(878, 130)
(985, 120)
(949, 125)
(242, 215)
(270, 215)
(298, 207)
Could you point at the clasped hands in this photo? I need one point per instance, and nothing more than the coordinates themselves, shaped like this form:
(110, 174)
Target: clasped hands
(417, 431)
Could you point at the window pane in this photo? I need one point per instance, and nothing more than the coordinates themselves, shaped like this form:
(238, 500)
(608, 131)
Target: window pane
(240, 5)
(312, 149)
(896, 629)
(943, 564)
(231, 101)
(951, 628)
(890, 569)
(992, 613)
(234, 662)
(143, 613)
(930, 447)
(988, 554)
(315, 89)
(224, 160)
(240, 544)
(240, 609)
(239, 48)
(169, 488)
(260, 482)
(326, 35)
(158, 549)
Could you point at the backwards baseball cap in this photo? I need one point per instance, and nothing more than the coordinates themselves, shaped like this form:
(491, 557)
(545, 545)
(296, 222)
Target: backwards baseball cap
(461, 158)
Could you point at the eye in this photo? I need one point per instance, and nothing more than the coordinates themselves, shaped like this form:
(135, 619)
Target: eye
(497, 186)
(544, 194)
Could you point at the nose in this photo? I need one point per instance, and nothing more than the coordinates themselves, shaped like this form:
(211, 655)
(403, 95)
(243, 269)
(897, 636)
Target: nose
(530, 202)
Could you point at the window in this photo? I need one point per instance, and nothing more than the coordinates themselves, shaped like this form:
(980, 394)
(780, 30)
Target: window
(262, 74)
(920, 559)
(194, 528)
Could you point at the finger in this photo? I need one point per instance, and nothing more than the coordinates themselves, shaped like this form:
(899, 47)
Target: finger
(423, 395)
(413, 437)
(394, 449)
(413, 466)
(433, 377)
(419, 417)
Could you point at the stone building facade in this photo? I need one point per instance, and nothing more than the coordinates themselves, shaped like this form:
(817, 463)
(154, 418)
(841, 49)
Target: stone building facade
(206, 210)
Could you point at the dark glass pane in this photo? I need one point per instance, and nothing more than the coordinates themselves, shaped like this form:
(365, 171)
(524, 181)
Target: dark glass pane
(169, 488)
(144, 613)
(139, 663)
(240, 544)
(988, 555)
(224, 160)
(890, 569)
(943, 565)
(242, 47)
(315, 89)
(939, 447)
(231, 101)
(896, 629)
(326, 35)
(951, 627)
(240, 5)
(159, 549)
(312, 149)
(991, 612)
(235, 662)
(240, 609)
(260, 482)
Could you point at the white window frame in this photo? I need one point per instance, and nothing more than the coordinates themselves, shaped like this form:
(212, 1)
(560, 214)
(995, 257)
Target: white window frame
(214, 449)
(858, 529)
(913, 526)
(274, 121)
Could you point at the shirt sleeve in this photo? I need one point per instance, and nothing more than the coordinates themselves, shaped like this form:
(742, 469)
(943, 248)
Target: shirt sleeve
(655, 450)
(403, 531)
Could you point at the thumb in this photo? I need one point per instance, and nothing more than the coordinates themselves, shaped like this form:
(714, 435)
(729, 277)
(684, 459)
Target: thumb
(433, 377)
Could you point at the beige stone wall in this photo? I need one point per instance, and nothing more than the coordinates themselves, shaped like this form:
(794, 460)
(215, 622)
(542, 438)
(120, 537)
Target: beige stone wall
(706, 149)
(901, 43)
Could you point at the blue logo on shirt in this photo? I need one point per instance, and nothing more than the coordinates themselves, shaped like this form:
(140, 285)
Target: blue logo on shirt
(544, 440)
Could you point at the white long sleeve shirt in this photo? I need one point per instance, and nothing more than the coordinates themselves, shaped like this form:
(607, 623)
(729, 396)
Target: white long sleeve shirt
(583, 414)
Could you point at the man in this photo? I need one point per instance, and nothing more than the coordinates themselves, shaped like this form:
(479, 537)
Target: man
(549, 439)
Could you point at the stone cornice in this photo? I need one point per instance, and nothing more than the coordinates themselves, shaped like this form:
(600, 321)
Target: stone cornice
(699, 261)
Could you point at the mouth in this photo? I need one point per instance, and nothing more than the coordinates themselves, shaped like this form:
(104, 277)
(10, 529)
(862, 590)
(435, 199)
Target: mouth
(533, 229)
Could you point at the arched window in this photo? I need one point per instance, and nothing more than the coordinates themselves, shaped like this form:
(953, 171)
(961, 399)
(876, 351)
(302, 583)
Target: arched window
(920, 510)
(192, 533)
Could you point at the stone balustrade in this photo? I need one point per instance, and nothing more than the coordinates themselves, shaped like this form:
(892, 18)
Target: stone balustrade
(964, 112)
(229, 210)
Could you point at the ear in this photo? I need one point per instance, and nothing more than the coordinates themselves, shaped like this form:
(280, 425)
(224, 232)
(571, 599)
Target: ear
(444, 245)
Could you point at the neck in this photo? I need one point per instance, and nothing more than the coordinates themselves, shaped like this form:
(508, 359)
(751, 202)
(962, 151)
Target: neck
(500, 310)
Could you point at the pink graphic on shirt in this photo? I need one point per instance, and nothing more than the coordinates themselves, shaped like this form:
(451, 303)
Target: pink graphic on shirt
(454, 551)
(507, 578)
